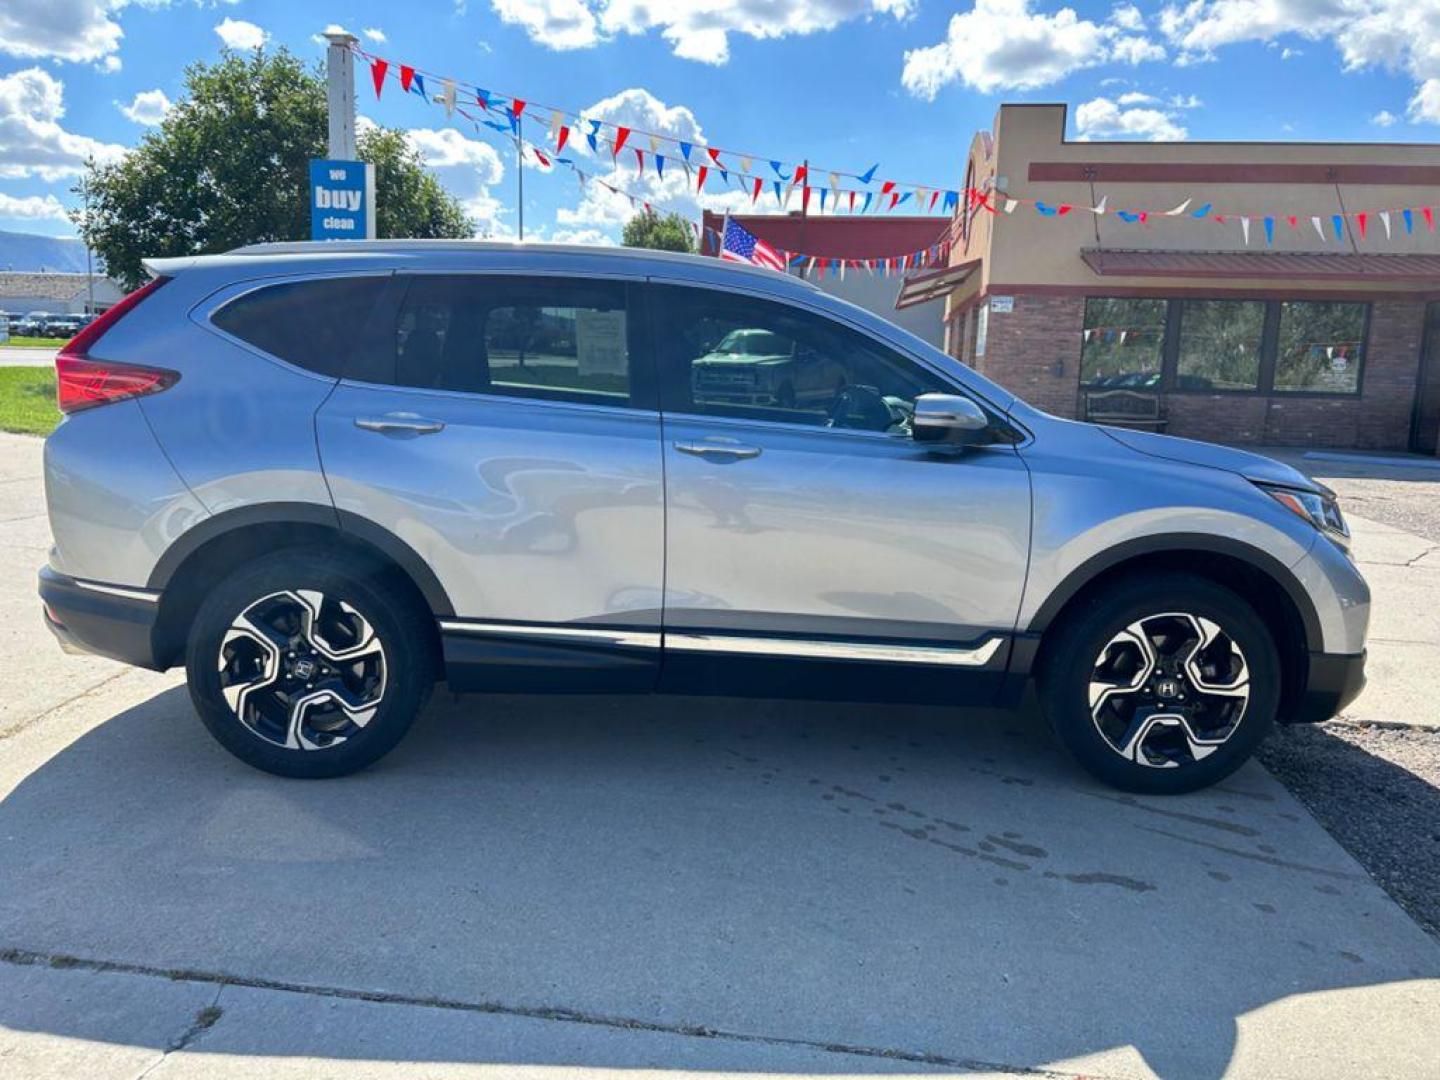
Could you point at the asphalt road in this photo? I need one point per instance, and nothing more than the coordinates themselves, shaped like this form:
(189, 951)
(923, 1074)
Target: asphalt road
(559, 887)
(14, 356)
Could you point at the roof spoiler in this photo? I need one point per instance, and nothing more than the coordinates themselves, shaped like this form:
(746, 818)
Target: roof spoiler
(168, 267)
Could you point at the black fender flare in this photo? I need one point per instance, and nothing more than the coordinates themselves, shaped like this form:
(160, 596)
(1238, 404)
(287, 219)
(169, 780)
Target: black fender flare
(303, 513)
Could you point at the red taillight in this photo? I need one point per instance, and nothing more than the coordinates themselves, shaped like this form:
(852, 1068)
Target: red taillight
(83, 383)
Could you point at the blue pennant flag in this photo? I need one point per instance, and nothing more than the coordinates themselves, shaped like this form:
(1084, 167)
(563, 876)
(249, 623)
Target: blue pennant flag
(778, 171)
(903, 198)
(1049, 211)
(1124, 215)
(823, 193)
(1409, 220)
(685, 149)
(419, 85)
(1270, 230)
(869, 174)
(660, 165)
(1202, 212)
(778, 197)
(496, 126)
(590, 138)
(866, 207)
(1338, 224)
(952, 199)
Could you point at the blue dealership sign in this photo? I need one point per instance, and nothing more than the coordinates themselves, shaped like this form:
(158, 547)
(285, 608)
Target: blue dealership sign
(342, 200)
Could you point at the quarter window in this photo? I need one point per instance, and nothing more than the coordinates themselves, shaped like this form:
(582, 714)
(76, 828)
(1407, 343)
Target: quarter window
(1320, 347)
(312, 323)
(528, 338)
(725, 355)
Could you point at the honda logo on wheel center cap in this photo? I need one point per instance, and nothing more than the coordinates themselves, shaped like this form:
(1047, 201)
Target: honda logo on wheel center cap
(1167, 688)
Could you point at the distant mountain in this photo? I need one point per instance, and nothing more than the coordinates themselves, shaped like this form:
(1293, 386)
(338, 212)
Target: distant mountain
(29, 252)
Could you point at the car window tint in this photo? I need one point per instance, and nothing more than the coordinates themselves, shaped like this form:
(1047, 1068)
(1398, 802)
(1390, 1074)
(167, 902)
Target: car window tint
(538, 338)
(728, 355)
(312, 324)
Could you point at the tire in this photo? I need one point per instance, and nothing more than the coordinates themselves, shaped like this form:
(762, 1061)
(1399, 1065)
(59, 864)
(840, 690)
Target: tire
(1134, 738)
(369, 647)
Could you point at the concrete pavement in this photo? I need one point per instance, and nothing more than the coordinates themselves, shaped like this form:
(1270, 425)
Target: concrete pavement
(15, 356)
(541, 887)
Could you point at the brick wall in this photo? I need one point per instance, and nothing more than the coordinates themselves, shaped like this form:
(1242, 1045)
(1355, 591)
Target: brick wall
(1024, 345)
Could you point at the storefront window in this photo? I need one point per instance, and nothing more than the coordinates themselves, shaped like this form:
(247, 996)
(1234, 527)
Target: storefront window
(1320, 347)
(1219, 345)
(1124, 343)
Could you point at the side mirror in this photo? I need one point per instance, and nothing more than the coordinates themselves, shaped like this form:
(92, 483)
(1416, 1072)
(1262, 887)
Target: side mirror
(949, 418)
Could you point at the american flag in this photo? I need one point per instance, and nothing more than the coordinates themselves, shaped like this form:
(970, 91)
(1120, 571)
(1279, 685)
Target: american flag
(739, 244)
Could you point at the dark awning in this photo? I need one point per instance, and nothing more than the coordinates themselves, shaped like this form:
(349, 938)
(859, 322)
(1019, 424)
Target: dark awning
(933, 284)
(1280, 265)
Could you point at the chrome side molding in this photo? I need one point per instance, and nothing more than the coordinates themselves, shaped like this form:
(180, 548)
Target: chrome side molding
(834, 650)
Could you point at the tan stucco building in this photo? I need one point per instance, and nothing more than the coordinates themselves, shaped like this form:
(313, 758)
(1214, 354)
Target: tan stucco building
(1301, 339)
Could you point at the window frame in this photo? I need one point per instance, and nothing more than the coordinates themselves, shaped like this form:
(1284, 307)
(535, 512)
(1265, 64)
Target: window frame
(1269, 347)
(644, 392)
(671, 381)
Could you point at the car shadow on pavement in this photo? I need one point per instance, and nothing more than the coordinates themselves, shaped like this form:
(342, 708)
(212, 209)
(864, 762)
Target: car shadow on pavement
(927, 881)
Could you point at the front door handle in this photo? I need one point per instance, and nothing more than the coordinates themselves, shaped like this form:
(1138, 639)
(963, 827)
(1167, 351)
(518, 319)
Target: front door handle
(729, 450)
(400, 424)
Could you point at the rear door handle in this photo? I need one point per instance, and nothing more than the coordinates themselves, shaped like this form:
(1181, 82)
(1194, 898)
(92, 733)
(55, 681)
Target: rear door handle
(400, 424)
(732, 450)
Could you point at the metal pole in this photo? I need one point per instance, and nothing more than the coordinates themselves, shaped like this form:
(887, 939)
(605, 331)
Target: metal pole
(340, 94)
(520, 169)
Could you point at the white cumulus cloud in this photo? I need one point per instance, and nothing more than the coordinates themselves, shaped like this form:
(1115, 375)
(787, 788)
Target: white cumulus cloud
(1004, 45)
(375, 34)
(696, 29)
(148, 107)
(75, 30)
(240, 35)
(1102, 118)
(1384, 118)
(32, 207)
(32, 140)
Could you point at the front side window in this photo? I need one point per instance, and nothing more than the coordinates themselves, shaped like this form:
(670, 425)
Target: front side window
(727, 355)
(1123, 343)
(1320, 347)
(546, 339)
(312, 323)
(1220, 343)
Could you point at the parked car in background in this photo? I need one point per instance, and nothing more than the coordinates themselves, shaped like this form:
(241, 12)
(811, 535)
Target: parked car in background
(325, 476)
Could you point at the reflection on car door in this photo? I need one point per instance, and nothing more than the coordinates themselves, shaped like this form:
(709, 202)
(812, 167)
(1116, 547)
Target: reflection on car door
(821, 532)
(506, 433)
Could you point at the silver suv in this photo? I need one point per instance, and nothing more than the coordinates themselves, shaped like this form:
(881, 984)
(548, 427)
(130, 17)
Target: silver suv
(326, 476)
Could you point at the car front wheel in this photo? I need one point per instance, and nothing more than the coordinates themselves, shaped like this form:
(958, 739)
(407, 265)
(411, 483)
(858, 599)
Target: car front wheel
(310, 663)
(1162, 684)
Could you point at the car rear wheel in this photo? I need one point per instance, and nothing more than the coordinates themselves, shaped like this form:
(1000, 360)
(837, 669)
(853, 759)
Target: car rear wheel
(1163, 684)
(310, 663)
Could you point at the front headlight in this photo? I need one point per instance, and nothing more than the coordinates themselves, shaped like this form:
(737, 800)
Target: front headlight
(1320, 508)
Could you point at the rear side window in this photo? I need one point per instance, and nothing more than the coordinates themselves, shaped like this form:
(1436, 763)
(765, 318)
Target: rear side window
(521, 337)
(312, 324)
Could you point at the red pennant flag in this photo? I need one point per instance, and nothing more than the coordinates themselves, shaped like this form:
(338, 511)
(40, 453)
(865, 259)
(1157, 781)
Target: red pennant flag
(933, 196)
(1144, 216)
(1428, 213)
(562, 138)
(639, 161)
(407, 76)
(621, 134)
(805, 198)
(1362, 219)
(755, 194)
(894, 198)
(887, 187)
(543, 159)
(801, 171)
(482, 99)
(852, 202)
(700, 183)
(1291, 220)
(1063, 209)
(377, 72)
(517, 107)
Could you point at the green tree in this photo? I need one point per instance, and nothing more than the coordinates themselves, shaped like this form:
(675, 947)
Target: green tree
(229, 165)
(669, 233)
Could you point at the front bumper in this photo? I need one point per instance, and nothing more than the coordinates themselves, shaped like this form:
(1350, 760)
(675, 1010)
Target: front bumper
(1334, 681)
(107, 620)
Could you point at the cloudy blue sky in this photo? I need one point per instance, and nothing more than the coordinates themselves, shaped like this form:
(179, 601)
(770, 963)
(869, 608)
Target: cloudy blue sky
(844, 83)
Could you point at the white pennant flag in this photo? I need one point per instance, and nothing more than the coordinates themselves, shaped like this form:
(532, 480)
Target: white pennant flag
(1245, 228)
(1385, 220)
(834, 181)
(1099, 207)
(1179, 209)
(746, 164)
(447, 94)
(654, 144)
(842, 269)
(1010, 205)
(920, 194)
(556, 119)
(1319, 229)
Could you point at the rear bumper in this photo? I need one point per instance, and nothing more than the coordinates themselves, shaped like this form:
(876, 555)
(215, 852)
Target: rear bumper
(1334, 681)
(107, 620)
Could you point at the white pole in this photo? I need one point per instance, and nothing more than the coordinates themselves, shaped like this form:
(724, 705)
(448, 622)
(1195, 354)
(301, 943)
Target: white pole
(340, 94)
